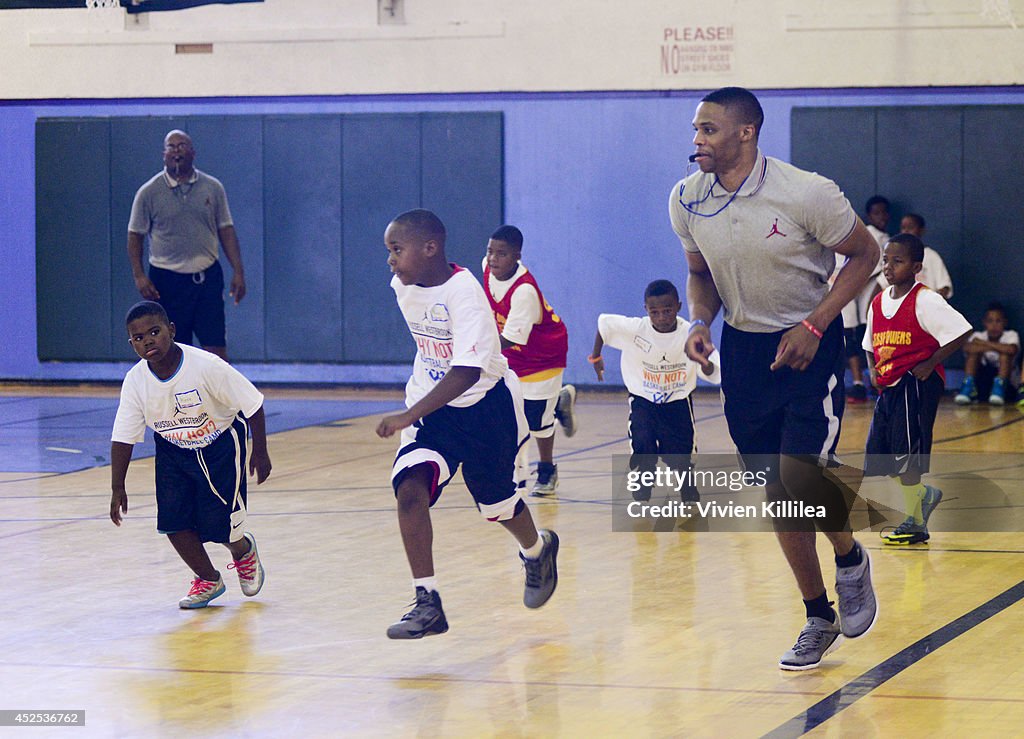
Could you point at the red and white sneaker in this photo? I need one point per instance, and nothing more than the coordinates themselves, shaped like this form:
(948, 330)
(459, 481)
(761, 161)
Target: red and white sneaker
(249, 568)
(202, 592)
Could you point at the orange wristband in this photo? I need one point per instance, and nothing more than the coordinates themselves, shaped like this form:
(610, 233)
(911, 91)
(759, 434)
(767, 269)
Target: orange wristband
(594, 360)
(811, 327)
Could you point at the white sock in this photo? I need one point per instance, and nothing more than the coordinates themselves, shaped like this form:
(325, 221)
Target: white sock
(534, 551)
(428, 583)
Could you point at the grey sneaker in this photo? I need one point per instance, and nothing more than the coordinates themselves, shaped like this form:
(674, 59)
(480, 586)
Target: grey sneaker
(249, 568)
(908, 532)
(542, 572)
(426, 618)
(932, 497)
(565, 409)
(202, 592)
(817, 638)
(858, 607)
(547, 481)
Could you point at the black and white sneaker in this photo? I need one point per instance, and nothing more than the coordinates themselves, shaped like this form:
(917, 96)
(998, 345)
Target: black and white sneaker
(426, 618)
(565, 409)
(542, 572)
(547, 480)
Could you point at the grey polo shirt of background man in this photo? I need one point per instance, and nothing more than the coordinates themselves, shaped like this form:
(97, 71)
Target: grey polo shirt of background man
(782, 221)
(182, 220)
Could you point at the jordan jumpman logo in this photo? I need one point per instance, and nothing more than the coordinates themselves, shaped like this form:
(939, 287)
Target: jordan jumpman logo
(775, 230)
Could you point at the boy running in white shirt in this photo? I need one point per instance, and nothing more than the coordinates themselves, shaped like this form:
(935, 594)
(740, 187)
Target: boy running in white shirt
(660, 379)
(463, 407)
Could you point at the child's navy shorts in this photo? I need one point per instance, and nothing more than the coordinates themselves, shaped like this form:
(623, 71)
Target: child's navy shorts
(484, 438)
(203, 489)
(900, 439)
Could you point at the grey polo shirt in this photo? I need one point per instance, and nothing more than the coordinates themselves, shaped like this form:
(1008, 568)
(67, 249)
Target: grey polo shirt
(182, 220)
(770, 249)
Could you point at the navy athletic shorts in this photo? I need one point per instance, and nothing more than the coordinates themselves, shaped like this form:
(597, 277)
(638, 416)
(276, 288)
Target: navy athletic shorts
(900, 439)
(854, 339)
(660, 429)
(194, 303)
(203, 489)
(785, 411)
(484, 438)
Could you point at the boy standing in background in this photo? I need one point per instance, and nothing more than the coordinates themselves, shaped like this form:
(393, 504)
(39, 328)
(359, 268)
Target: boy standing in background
(911, 331)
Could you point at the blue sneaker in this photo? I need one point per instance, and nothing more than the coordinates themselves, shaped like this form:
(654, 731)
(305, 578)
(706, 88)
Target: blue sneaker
(998, 394)
(908, 532)
(858, 393)
(967, 393)
(932, 497)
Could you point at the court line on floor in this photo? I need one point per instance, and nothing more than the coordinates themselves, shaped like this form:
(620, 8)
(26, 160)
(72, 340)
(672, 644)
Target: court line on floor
(434, 678)
(878, 675)
(34, 476)
(979, 432)
(109, 405)
(37, 419)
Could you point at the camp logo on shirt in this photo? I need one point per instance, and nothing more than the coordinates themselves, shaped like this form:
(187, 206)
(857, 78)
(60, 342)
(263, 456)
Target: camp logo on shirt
(439, 313)
(188, 399)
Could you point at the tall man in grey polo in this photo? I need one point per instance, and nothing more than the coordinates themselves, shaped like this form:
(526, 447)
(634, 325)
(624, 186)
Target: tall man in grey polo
(760, 238)
(185, 214)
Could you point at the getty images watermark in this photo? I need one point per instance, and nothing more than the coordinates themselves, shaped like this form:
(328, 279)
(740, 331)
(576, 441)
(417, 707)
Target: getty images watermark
(639, 482)
(716, 492)
(713, 490)
(712, 493)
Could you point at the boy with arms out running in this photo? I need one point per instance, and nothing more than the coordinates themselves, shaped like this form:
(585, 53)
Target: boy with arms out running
(660, 379)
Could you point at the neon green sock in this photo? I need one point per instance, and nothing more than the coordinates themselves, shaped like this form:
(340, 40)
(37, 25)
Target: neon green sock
(912, 497)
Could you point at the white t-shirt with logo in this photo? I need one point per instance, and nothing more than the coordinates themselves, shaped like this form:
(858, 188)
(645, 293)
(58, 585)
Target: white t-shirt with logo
(654, 364)
(190, 409)
(452, 326)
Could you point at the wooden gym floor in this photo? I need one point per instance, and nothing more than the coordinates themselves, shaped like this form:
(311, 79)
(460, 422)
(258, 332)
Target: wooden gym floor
(669, 633)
